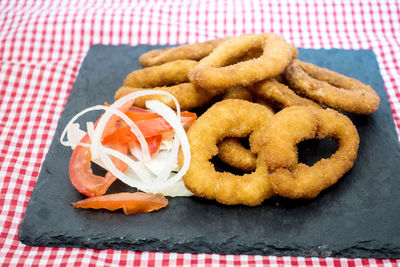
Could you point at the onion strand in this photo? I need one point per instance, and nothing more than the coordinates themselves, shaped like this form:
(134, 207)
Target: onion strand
(139, 176)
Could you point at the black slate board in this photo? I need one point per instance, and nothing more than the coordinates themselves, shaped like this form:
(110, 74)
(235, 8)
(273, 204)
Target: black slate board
(357, 217)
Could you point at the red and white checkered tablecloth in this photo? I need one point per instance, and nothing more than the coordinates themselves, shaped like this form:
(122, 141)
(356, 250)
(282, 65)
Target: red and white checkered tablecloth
(43, 43)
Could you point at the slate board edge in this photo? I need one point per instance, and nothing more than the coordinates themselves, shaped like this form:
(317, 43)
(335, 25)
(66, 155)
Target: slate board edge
(225, 248)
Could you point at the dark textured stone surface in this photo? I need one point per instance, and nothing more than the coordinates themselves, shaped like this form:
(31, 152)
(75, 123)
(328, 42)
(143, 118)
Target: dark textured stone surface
(357, 217)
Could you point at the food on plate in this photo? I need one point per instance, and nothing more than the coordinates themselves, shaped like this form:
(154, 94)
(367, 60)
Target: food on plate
(131, 203)
(294, 124)
(171, 77)
(139, 147)
(280, 95)
(190, 51)
(81, 174)
(142, 141)
(237, 92)
(232, 152)
(262, 101)
(214, 75)
(171, 73)
(228, 118)
(150, 124)
(331, 89)
(189, 96)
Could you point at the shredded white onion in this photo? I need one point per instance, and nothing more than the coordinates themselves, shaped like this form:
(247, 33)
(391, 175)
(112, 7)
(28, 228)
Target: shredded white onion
(109, 111)
(175, 122)
(74, 135)
(142, 173)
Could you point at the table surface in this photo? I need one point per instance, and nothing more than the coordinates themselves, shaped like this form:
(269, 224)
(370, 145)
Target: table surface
(43, 43)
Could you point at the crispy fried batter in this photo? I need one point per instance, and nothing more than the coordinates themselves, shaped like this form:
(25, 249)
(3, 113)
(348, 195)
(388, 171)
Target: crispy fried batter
(280, 94)
(187, 95)
(237, 92)
(213, 74)
(171, 77)
(189, 51)
(294, 124)
(331, 88)
(170, 73)
(228, 118)
(231, 151)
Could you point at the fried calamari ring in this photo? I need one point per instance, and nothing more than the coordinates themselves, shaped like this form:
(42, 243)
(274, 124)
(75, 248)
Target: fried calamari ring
(232, 152)
(264, 102)
(189, 51)
(294, 124)
(187, 95)
(212, 73)
(228, 118)
(331, 88)
(237, 92)
(279, 94)
(170, 73)
(171, 77)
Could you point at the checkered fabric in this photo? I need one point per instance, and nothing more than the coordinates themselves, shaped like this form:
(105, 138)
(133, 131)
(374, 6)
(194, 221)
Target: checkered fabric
(43, 43)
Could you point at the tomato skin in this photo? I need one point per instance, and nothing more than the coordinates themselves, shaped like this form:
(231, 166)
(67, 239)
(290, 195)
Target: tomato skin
(153, 142)
(81, 175)
(152, 125)
(80, 172)
(118, 136)
(138, 115)
(130, 202)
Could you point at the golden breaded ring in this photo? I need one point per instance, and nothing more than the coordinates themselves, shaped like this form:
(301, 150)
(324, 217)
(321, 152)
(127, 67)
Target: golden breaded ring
(264, 102)
(237, 92)
(231, 151)
(294, 124)
(331, 88)
(187, 95)
(279, 94)
(170, 73)
(228, 118)
(211, 74)
(171, 77)
(189, 51)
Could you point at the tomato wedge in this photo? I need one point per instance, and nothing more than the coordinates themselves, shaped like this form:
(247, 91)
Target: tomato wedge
(153, 142)
(118, 136)
(80, 172)
(81, 175)
(130, 202)
(139, 115)
(150, 124)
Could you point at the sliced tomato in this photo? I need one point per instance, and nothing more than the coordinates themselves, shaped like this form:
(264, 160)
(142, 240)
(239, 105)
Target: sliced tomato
(130, 202)
(80, 171)
(153, 142)
(113, 122)
(81, 174)
(118, 136)
(137, 109)
(153, 125)
(138, 115)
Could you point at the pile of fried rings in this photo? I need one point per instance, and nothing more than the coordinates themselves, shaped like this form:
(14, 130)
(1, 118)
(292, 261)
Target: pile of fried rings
(256, 88)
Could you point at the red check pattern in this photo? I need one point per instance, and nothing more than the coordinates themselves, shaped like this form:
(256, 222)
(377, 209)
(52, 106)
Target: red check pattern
(42, 44)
